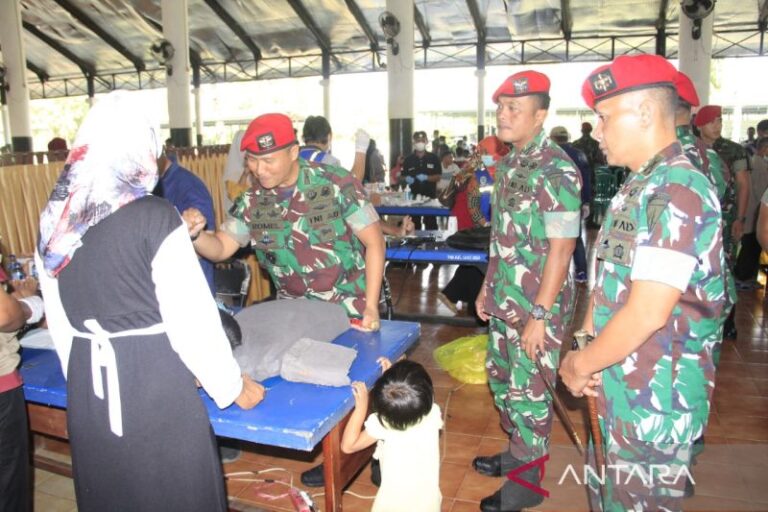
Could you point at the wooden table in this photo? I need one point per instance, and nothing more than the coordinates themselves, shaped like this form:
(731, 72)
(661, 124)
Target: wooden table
(292, 415)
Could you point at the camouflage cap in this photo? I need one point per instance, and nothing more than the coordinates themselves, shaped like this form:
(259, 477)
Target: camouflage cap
(523, 84)
(686, 90)
(268, 133)
(627, 73)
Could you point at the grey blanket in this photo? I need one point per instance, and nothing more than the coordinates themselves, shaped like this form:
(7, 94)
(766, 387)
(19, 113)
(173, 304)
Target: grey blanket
(270, 328)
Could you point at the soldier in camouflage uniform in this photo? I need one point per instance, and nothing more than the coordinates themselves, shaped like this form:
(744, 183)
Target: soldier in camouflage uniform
(710, 124)
(589, 146)
(310, 225)
(708, 161)
(527, 294)
(656, 308)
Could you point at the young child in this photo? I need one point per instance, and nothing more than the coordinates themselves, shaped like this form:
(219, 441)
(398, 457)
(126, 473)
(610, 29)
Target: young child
(405, 423)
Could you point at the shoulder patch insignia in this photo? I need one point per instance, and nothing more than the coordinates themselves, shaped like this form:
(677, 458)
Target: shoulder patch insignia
(656, 206)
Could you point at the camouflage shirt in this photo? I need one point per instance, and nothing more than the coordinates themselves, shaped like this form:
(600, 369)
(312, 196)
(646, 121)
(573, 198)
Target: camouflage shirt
(734, 155)
(591, 148)
(536, 196)
(708, 162)
(306, 240)
(663, 225)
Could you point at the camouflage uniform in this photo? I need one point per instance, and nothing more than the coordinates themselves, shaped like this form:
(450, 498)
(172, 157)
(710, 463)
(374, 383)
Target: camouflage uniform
(536, 197)
(709, 162)
(591, 148)
(734, 156)
(664, 225)
(306, 240)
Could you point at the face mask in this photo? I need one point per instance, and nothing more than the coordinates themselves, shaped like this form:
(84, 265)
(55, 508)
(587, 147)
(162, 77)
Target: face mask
(420, 146)
(488, 160)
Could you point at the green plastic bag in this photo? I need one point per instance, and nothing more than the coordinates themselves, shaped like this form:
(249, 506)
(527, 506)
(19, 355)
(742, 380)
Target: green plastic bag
(464, 358)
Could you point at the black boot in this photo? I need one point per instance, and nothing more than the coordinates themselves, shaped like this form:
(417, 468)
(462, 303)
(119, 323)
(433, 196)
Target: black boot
(490, 465)
(513, 496)
(313, 477)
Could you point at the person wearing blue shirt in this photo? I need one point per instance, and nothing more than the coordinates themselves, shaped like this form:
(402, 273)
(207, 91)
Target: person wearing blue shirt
(185, 190)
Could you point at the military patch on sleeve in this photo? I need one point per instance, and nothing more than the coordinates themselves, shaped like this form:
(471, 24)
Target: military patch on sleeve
(555, 177)
(656, 206)
(602, 82)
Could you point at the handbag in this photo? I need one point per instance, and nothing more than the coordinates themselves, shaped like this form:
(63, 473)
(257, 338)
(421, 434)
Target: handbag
(447, 196)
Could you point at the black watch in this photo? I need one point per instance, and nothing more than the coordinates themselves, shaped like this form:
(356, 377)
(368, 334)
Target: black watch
(539, 312)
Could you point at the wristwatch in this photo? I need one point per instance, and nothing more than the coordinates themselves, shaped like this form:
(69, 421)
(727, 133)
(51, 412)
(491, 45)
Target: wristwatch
(539, 312)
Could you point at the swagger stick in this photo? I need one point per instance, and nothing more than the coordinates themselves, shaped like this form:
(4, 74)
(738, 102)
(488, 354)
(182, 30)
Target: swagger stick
(559, 407)
(581, 338)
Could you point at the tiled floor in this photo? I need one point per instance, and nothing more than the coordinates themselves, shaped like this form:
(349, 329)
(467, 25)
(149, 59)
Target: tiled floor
(732, 473)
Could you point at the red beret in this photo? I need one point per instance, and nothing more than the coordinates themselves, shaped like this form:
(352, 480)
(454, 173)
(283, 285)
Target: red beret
(523, 84)
(627, 73)
(707, 114)
(686, 90)
(268, 133)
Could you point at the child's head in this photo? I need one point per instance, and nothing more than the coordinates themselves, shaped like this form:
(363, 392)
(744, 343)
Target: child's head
(403, 395)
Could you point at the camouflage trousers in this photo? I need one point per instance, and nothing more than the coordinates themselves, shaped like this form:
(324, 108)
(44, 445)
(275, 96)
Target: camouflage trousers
(519, 391)
(639, 475)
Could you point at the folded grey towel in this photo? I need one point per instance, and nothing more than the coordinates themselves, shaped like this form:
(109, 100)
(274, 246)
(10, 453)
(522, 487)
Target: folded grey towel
(270, 328)
(317, 362)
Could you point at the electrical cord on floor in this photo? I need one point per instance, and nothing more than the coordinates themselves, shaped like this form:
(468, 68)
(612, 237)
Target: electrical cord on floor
(234, 477)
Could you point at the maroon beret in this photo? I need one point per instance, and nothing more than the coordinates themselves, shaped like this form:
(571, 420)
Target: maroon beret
(686, 90)
(627, 73)
(707, 114)
(523, 84)
(268, 133)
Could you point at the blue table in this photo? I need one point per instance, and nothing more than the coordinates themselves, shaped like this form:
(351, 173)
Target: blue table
(292, 415)
(435, 253)
(438, 211)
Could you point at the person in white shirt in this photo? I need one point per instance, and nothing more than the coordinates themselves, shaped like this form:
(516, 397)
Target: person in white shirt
(405, 424)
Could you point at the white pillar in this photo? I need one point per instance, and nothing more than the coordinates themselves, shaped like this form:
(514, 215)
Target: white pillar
(198, 116)
(696, 54)
(480, 73)
(326, 85)
(400, 69)
(14, 61)
(176, 30)
(6, 125)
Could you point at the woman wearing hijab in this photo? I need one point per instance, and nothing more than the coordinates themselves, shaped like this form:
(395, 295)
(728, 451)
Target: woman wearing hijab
(134, 324)
(472, 209)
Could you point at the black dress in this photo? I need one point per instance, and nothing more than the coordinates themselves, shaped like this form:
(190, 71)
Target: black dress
(166, 458)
